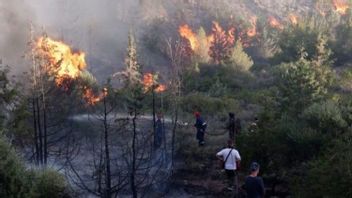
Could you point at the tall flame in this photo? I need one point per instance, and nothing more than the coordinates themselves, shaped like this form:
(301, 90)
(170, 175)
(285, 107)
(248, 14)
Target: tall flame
(150, 82)
(293, 18)
(341, 6)
(186, 32)
(91, 98)
(64, 64)
(160, 88)
(275, 23)
(251, 32)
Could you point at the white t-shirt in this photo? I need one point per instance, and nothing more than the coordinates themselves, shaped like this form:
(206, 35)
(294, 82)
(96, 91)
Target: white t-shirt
(230, 163)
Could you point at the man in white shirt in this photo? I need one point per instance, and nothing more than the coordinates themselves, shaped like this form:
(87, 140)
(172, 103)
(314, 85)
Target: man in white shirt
(230, 156)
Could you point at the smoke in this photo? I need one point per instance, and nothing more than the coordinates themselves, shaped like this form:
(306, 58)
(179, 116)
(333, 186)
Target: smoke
(99, 28)
(15, 18)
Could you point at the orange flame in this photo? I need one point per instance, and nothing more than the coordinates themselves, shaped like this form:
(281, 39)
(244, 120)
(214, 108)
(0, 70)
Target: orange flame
(160, 88)
(64, 64)
(275, 23)
(341, 6)
(253, 30)
(149, 82)
(293, 18)
(186, 32)
(91, 98)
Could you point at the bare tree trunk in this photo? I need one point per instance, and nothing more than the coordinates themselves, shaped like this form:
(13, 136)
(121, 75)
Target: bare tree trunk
(45, 134)
(35, 132)
(154, 120)
(133, 171)
(174, 136)
(107, 154)
(40, 135)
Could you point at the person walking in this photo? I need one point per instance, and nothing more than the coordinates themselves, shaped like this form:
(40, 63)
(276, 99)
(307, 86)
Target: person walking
(231, 158)
(200, 125)
(254, 185)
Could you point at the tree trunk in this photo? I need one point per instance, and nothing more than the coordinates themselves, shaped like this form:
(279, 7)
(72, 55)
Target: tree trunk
(35, 132)
(107, 154)
(45, 134)
(133, 168)
(40, 136)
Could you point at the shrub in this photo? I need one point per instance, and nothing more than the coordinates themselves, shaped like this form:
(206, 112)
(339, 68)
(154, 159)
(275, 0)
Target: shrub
(16, 181)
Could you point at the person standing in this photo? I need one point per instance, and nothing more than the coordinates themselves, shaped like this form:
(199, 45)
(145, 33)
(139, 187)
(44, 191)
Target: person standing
(238, 126)
(231, 157)
(200, 125)
(254, 185)
(231, 126)
(159, 129)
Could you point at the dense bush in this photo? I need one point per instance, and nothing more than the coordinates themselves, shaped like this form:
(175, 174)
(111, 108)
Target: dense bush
(17, 181)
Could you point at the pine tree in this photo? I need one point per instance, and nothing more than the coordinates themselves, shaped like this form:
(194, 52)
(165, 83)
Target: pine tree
(131, 75)
(239, 59)
(203, 50)
(222, 44)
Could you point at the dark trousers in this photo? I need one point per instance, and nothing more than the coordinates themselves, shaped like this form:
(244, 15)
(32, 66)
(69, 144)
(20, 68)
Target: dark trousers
(232, 179)
(200, 137)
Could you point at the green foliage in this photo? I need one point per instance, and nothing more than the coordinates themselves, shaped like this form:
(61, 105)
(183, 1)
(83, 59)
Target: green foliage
(306, 35)
(16, 181)
(210, 77)
(50, 184)
(301, 83)
(239, 59)
(202, 53)
(325, 116)
(208, 105)
(330, 174)
(342, 42)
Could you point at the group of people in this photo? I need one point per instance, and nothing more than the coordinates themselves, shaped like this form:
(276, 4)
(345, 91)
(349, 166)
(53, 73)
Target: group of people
(230, 158)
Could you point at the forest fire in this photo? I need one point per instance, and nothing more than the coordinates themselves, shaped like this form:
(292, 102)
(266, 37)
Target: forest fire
(341, 6)
(62, 63)
(252, 32)
(275, 23)
(186, 32)
(65, 66)
(293, 19)
(149, 81)
(91, 98)
(195, 40)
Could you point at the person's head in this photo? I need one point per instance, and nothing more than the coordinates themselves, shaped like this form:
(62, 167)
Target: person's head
(232, 115)
(254, 168)
(230, 143)
(197, 114)
(159, 115)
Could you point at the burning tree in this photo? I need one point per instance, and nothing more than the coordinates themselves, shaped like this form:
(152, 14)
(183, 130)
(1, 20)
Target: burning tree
(131, 76)
(222, 43)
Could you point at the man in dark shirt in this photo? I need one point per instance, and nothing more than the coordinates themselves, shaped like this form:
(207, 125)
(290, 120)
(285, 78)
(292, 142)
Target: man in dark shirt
(200, 125)
(254, 185)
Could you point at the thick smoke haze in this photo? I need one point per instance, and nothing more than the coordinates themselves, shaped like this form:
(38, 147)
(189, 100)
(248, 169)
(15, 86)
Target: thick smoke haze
(15, 19)
(99, 28)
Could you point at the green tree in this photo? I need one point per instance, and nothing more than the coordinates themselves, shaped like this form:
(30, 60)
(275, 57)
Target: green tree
(202, 52)
(239, 59)
(303, 82)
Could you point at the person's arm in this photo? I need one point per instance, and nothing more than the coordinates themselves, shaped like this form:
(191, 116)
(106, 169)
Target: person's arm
(261, 185)
(219, 155)
(238, 157)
